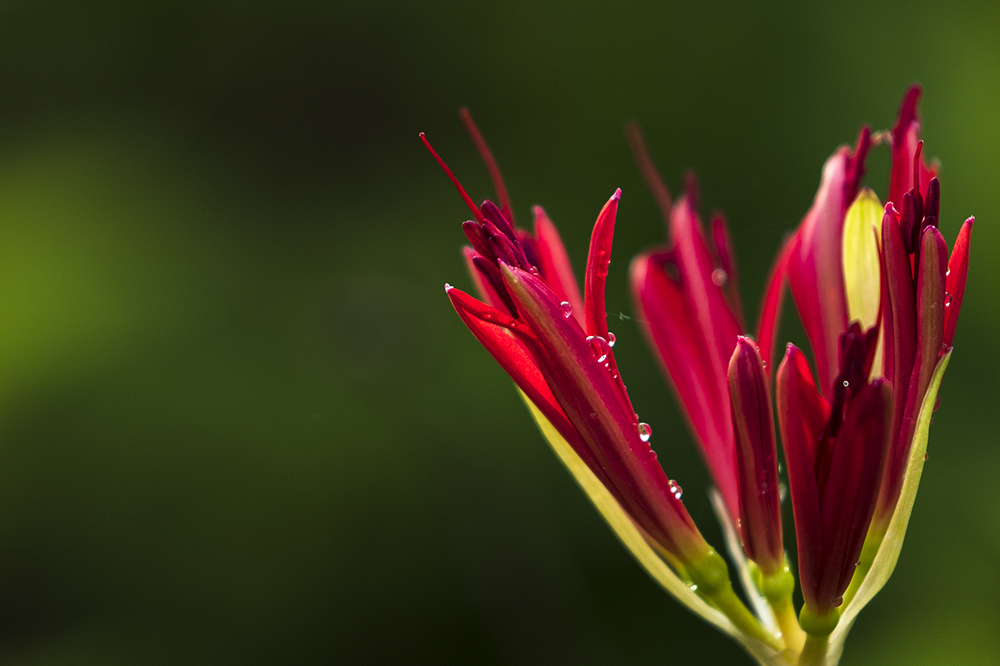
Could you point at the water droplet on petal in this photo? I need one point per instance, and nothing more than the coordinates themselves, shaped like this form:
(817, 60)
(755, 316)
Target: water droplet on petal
(645, 432)
(846, 383)
(567, 309)
(838, 601)
(719, 277)
(947, 299)
(676, 489)
(694, 587)
(947, 272)
(611, 339)
(593, 415)
(599, 346)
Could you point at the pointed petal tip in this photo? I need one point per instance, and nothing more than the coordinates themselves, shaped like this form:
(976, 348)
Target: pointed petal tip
(447, 288)
(617, 195)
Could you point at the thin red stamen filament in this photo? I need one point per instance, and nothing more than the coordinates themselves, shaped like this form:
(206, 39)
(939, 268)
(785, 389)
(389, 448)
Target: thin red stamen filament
(461, 190)
(643, 160)
(487, 157)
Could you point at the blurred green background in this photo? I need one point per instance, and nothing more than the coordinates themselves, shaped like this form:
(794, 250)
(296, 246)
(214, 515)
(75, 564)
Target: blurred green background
(239, 421)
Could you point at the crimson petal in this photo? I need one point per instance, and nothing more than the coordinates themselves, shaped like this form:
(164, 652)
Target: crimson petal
(588, 396)
(849, 496)
(815, 271)
(802, 416)
(958, 271)
(553, 262)
(756, 458)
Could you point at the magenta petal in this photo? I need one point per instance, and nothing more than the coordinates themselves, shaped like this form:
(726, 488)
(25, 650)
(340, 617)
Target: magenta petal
(849, 496)
(485, 286)
(553, 262)
(491, 329)
(587, 394)
(958, 271)
(663, 315)
(802, 415)
(708, 308)
(905, 138)
(596, 317)
(930, 306)
(756, 458)
(898, 312)
(774, 295)
(815, 271)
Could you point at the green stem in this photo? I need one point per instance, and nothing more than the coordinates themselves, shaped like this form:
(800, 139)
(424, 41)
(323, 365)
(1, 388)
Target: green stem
(711, 574)
(818, 625)
(814, 650)
(777, 588)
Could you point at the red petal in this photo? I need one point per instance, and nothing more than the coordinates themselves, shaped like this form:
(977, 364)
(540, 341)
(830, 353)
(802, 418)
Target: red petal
(815, 271)
(849, 496)
(899, 319)
(553, 262)
(707, 307)
(486, 291)
(929, 326)
(756, 458)
(958, 270)
(588, 396)
(905, 137)
(516, 360)
(774, 294)
(596, 317)
(662, 309)
(802, 415)
(930, 306)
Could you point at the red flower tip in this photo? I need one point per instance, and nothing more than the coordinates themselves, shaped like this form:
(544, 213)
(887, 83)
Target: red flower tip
(756, 458)
(958, 271)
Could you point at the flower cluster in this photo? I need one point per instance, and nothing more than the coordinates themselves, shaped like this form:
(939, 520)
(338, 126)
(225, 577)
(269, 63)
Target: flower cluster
(878, 296)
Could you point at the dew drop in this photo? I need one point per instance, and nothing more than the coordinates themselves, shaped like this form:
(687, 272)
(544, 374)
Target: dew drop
(694, 587)
(676, 489)
(611, 339)
(567, 309)
(645, 432)
(846, 383)
(599, 346)
(719, 277)
(782, 492)
(947, 272)
(926, 456)
(593, 415)
(838, 601)
(947, 299)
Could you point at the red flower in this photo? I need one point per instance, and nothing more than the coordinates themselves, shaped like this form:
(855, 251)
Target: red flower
(560, 355)
(879, 299)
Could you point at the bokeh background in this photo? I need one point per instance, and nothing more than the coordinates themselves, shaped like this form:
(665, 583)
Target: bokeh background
(239, 422)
